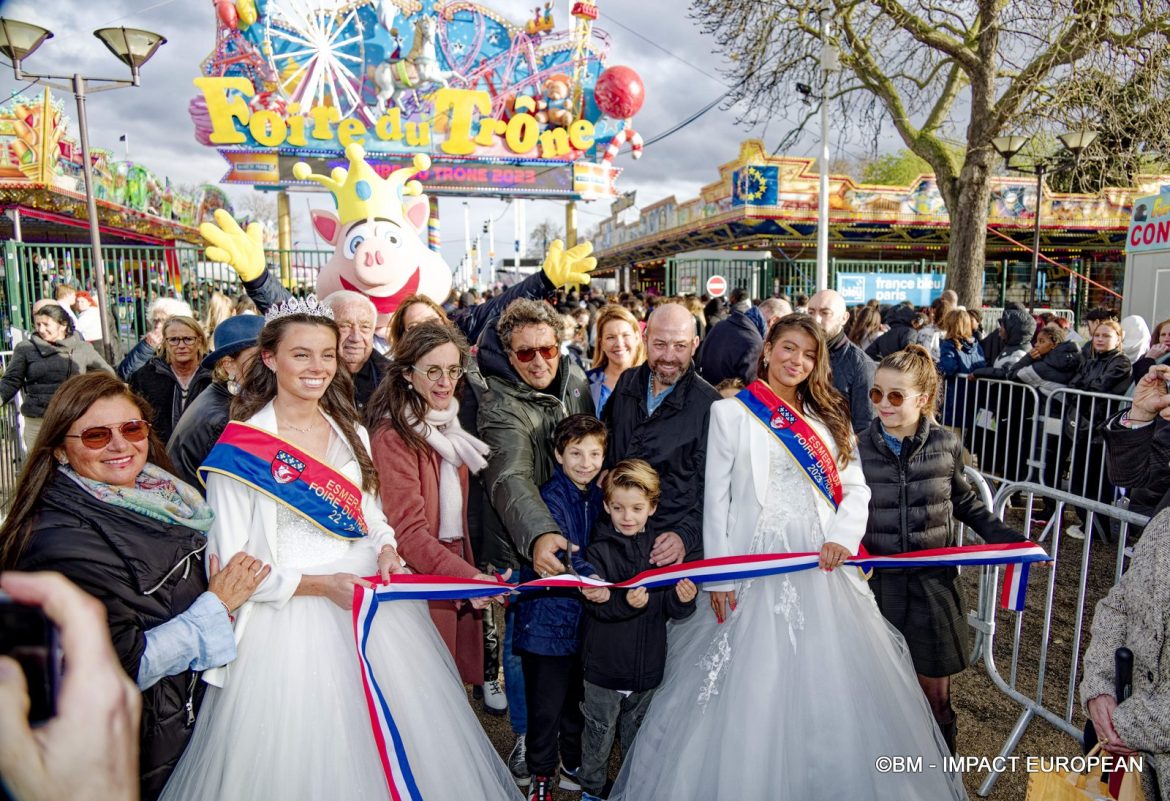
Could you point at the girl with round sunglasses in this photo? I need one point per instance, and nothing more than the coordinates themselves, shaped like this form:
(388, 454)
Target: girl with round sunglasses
(914, 469)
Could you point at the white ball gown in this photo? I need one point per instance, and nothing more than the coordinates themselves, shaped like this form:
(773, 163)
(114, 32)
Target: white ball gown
(291, 723)
(795, 695)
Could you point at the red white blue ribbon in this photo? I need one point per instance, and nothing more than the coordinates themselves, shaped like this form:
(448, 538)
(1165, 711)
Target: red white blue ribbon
(1017, 556)
(388, 739)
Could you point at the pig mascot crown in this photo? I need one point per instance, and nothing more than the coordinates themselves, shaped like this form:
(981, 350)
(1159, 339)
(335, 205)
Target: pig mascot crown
(375, 234)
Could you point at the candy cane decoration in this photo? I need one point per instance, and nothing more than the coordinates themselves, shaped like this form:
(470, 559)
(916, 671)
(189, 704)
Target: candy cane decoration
(626, 134)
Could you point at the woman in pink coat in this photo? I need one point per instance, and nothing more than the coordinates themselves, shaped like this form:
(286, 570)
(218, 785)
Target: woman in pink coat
(423, 457)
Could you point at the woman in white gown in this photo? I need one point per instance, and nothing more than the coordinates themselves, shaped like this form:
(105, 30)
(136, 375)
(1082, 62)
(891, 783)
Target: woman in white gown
(288, 719)
(795, 684)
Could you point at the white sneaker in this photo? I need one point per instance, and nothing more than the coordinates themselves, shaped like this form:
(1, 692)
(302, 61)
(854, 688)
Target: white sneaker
(494, 700)
(1075, 532)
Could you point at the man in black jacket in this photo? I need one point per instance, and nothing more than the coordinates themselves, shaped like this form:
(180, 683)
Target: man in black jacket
(356, 316)
(732, 348)
(659, 412)
(852, 370)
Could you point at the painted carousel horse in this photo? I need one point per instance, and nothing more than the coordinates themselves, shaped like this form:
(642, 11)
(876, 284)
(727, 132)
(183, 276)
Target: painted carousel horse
(420, 67)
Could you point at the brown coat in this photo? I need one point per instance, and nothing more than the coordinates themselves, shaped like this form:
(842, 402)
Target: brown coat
(410, 499)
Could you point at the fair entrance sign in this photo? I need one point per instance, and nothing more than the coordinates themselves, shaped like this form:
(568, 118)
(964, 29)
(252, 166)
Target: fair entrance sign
(716, 286)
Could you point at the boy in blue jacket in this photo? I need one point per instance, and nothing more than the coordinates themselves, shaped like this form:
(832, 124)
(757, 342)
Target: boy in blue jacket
(548, 624)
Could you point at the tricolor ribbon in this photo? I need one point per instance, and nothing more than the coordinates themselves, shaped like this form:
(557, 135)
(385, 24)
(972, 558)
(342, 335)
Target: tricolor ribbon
(1017, 556)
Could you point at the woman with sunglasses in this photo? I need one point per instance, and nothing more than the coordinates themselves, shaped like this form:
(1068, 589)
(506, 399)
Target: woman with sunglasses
(914, 468)
(96, 502)
(291, 479)
(749, 686)
(176, 376)
(423, 458)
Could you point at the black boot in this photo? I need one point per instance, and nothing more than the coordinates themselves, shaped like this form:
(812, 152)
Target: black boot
(950, 733)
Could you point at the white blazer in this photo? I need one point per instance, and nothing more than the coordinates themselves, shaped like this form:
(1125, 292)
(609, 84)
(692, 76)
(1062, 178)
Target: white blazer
(245, 520)
(736, 487)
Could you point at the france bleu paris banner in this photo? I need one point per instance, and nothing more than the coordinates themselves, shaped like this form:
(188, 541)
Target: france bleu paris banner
(918, 288)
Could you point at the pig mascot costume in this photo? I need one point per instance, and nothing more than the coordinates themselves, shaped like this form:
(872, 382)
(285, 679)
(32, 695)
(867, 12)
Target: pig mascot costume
(377, 249)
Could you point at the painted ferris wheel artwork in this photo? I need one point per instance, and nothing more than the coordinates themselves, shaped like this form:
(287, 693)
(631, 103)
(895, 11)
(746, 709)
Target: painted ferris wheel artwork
(454, 79)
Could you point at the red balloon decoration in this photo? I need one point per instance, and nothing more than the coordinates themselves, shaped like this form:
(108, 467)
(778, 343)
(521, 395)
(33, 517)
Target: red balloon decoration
(619, 92)
(227, 13)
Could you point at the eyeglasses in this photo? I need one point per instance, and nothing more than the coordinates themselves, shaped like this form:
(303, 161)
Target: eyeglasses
(547, 353)
(895, 397)
(181, 340)
(99, 437)
(435, 372)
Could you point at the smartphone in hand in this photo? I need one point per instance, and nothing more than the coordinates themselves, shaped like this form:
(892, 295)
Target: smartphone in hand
(30, 638)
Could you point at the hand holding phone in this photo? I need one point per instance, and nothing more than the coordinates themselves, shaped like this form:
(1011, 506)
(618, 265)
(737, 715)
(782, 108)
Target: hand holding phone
(89, 750)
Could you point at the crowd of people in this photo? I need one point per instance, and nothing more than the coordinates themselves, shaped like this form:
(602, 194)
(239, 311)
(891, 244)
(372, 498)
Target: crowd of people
(512, 438)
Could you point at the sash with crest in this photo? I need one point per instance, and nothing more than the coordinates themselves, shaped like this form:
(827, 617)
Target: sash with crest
(797, 436)
(291, 477)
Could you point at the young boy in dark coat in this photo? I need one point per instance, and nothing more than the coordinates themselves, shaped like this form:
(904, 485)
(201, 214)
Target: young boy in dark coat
(624, 647)
(548, 624)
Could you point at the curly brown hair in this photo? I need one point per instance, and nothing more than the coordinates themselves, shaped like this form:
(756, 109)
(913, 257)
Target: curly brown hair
(394, 403)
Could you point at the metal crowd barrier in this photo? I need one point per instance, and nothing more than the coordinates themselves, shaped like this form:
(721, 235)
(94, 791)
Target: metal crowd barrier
(995, 420)
(11, 444)
(1048, 688)
(1014, 432)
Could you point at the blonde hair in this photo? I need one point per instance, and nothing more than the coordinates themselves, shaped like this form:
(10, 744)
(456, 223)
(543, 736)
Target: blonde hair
(219, 308)
(196, 328)
(916, 363)
(607, 315)
(958, 326)
(635, 474)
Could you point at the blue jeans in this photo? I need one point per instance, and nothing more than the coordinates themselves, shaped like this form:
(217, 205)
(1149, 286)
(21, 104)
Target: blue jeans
(513, 675)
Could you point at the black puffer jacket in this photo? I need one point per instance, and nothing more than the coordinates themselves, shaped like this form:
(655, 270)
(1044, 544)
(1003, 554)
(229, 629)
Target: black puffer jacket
(899, 336)
(145, 572)
(625, 648)
(198, 429)
(673, 440)
(37, 368)
(1059, 365)
(517, 422)
(1104, 372)
(916, 496)
(1001, 352)
(156, 382)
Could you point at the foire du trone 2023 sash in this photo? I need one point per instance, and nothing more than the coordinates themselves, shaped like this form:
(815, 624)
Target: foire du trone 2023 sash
(290, 476)
(797, 436)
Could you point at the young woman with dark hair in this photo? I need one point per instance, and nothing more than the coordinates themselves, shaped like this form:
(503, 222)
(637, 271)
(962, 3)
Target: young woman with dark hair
(783, 476)
(291, 479)
(423, 458)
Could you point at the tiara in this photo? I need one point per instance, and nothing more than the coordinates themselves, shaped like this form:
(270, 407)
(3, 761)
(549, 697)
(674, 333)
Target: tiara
(310, 306)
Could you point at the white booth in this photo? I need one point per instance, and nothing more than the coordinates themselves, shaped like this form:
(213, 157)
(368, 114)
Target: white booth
(1147, 259)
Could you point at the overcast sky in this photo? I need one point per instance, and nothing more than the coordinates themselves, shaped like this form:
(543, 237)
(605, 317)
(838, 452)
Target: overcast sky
(655, 37)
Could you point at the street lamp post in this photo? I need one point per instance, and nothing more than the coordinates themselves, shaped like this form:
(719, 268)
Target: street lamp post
(133, 48)
(1008, 147)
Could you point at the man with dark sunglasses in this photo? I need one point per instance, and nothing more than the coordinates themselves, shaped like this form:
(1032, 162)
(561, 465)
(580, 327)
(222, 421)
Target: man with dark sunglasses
(529, 389)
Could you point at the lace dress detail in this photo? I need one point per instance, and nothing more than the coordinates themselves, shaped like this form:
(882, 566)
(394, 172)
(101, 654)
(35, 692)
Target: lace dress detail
(789, 523)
